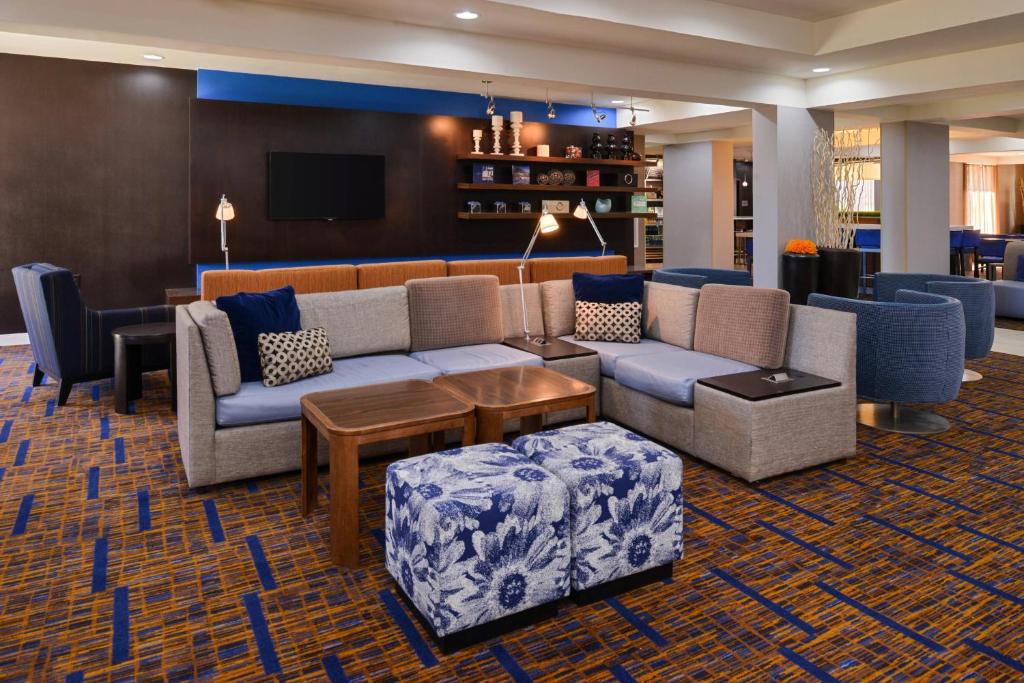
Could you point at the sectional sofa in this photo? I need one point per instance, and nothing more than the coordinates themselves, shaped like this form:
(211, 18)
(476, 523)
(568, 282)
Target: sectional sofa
(230, 430)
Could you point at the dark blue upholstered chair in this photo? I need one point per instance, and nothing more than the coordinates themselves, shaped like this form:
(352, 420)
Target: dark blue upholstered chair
(71, 342)
(977, 296)
(910, 350)
(969, 242)
(990, 253)
(956, 255)
(868, 241)
(698, 277)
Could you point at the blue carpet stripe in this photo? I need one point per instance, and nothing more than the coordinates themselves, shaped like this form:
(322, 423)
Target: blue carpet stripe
(508, 662)
(707, 515)
(962, 424)
(907, 466)
(23, 447)
(620, 674)
(934, 496)
(879, 617)
(96, 392)
(1014, 664)
(637, 623)
(918, 538)
(807, 545)
(92, 489)
(845, 477)
(119, 456)
(121, 639)
(807, 665)
(259, 559)
(145, 522)
(31, 368)
(412, 636)
(5, 431)
(1002, 451)
(768, 604)
(1001, 482)
(990, 537)
(75, 677)
(987, 587)
(104, 427)
(24, 510)
(803, 511)
(50, 406)
(251, 487)
(2, 470)
(260, 631)
(333, 669)
(26, 395)
(378, 534)
(941, 444)
(213, 520)
(99, 565)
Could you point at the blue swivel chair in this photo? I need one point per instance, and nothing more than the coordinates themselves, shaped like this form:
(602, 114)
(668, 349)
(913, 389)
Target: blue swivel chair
(977, 296)
(70, 341)
(910, 350)
(698, 277)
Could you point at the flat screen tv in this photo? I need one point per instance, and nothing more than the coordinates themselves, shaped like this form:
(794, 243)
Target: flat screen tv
(306, 186)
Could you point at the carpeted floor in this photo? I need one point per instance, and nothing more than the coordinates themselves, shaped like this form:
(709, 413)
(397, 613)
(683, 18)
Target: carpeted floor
(1010, 323)
(906, 562)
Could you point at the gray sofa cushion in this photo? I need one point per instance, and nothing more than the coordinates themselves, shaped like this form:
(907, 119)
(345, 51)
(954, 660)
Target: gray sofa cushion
(669, 313)
(359, 321)
(1009, 298)
(256, 404)
(477, 357)
(611, 352)
(671, 376)
(559, 302)
(512, 310)
(219, 346)
(446, 312)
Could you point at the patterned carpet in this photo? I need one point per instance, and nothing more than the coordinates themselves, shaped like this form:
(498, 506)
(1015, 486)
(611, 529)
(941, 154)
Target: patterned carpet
(1010, 323)
(906, 562)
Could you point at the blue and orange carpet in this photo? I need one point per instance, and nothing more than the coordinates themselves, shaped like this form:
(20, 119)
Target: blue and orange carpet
(904, 563)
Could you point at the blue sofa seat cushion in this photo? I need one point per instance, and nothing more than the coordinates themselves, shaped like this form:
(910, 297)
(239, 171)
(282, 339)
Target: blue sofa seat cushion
(255, 403)
(1009, 298)
(611, 352)
(671, 376)
(475, 357)
(253, 313)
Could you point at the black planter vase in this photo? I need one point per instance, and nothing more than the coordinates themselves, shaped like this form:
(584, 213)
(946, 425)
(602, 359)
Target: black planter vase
(839, 272)
(800, 276)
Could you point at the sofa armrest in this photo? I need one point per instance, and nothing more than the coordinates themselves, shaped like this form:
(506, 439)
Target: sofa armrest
(823, 342)
(197, 408)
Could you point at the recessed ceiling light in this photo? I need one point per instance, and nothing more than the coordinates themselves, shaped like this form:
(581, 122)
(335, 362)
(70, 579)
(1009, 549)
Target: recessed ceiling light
(153, 57)
(467, 15)
(821, 70)
(618, 101)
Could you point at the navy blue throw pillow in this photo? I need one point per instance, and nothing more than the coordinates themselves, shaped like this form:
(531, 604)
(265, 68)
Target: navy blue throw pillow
(253, 313)
(608, 289)
(1020, 267)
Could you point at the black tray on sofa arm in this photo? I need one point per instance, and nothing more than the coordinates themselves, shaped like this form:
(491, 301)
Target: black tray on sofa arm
(753, 386)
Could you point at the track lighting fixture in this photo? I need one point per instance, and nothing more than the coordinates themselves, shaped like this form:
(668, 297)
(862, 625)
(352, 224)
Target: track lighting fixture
(551, 107)
(598, 116)
(490, 98)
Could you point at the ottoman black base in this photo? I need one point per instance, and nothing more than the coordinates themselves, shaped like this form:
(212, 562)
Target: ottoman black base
(626, 583)
(478, 634)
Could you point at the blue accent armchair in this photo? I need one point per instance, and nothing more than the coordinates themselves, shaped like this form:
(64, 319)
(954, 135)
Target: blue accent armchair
(909, 350)
(696, 278)
(977, 296)
(70, 341)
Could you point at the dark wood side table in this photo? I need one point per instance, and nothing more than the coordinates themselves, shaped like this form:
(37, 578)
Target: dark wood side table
(549, 348)
(753, 386)
(378, 412)
(180, 296)
(525, 392)
(128, 343)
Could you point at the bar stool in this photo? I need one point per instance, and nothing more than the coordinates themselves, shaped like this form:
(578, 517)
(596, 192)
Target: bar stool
(869, 241)
(956, 257)
(969, 241)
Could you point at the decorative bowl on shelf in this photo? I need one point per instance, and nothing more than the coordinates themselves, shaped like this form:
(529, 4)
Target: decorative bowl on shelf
(568, 177)
(603, 205)
(542, 179)
(573, 152)
(556, 177)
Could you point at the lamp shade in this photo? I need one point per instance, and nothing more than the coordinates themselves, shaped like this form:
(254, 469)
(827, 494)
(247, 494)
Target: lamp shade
(581, 210)
(225, 211)
(548, 223)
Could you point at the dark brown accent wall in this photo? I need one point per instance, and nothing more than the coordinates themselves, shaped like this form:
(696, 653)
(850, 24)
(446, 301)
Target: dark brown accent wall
(94, 177)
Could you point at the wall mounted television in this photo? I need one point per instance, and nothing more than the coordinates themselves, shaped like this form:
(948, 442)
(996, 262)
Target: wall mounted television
(310, 186)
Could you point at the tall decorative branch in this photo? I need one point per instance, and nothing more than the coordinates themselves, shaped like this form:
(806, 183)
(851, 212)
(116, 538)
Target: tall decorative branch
(837, 172)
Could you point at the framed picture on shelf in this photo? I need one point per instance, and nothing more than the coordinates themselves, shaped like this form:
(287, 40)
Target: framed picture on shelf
(639, 203)
(483, 173)
(593, 178)
(520, 174)
(555, 205)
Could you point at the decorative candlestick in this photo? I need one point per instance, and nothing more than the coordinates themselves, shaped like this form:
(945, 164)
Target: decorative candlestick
(516, 117)
(497, 123)
(478, 135)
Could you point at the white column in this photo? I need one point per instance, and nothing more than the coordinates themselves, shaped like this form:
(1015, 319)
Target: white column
(915, 184)
(783, 140)
(699, 204)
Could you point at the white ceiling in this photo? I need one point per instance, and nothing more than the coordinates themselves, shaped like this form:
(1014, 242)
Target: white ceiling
(808, 10)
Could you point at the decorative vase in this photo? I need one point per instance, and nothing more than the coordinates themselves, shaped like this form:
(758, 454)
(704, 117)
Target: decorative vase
(478, 135)
(839, 272)
(800, 276)
(497, 125)
(516, 117)
(596, 147)
(603, 205)
(611, 150)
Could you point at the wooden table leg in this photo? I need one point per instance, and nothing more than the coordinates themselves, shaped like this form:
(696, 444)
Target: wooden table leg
(469, 430)
(592, 409)
(419, 444)
(528, 424)
(490, 427)
(344, 504)
(121, 370)
(308, 459)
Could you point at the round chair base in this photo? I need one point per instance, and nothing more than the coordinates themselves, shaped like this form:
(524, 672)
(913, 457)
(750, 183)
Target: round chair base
(901, 420)
(971, 376)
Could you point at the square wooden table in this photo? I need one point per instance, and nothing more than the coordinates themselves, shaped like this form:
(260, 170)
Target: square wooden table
(526, 392)
(350, 417)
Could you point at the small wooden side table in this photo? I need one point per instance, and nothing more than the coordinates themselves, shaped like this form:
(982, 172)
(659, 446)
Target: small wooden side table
(368, 414)
(128, 343)
(525, 392)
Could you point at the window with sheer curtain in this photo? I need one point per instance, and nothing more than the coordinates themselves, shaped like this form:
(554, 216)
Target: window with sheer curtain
(980, 197)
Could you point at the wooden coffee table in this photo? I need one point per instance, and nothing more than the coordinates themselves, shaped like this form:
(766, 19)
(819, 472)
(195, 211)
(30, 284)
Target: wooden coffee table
(524, 392)
(350, 417)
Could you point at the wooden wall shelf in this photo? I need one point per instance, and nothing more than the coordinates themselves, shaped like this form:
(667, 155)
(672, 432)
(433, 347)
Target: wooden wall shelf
(554, 160)
(516, 216)
(565, 189)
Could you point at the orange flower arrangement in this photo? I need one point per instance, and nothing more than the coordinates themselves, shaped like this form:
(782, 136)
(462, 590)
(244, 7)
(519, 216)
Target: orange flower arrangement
(801, 247)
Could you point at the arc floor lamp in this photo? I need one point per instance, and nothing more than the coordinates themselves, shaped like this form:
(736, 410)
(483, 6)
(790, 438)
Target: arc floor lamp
(225, 213)
(546, 225)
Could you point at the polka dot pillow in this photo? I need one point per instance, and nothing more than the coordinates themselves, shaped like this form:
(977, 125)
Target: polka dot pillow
(287, 357)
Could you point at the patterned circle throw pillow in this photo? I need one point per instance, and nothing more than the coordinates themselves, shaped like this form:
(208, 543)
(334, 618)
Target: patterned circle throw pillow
(287, 357)
(608, 322)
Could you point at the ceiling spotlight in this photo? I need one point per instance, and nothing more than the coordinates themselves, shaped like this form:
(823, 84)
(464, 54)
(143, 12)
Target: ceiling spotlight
(821, 70)
(745, 183)
(598, 116)
(153, 57)
(490, 98)
(467, 15)
(551, 107)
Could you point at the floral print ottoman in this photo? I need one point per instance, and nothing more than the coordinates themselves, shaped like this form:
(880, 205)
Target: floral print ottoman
(626, 499)
(476, 534)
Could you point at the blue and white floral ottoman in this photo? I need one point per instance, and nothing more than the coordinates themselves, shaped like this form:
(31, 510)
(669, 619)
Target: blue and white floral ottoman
(476, 535)
(626, 498)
